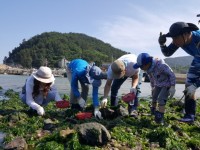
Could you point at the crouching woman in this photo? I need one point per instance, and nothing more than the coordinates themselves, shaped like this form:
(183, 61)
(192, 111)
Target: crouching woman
(39, 90)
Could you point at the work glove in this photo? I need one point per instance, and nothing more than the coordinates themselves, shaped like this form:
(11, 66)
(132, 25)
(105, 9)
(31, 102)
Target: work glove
(172, 91)
(81, 102)
(40, 111)
(190, 90)
(133, 90)
(104, 102)
(97, 113)
(162, 39)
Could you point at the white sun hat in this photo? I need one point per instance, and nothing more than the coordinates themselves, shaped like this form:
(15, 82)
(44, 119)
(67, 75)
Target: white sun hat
(44, 74)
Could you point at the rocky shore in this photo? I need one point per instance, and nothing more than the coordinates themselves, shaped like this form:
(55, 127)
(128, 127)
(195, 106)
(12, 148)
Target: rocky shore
(61, 129)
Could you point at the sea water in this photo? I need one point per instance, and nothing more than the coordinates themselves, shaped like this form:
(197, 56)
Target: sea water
(16, 82)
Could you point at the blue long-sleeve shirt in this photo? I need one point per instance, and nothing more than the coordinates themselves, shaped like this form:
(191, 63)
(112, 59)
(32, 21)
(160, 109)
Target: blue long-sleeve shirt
(79, 69)
(193, 49)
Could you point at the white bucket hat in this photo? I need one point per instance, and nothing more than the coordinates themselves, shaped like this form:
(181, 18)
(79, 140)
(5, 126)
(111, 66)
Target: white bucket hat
(44, 74)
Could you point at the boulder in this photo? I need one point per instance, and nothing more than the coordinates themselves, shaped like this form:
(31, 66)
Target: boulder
(93, 133)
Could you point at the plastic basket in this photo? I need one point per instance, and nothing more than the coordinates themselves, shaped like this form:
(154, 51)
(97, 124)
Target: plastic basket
(62, 104)
(128, 97)
(84, 115)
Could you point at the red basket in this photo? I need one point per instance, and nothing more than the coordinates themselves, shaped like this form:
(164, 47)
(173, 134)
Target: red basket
(62, 104)
(84, 115)
(128, 97)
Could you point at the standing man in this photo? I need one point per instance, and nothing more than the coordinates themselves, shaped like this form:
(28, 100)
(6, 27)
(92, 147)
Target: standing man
(117, 73)
(79, 71)
(186, 36)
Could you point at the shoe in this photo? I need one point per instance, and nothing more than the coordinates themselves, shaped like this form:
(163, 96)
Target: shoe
(159, 117)
(134, 114)
(131, 108)
(188, 118)
(153, 110)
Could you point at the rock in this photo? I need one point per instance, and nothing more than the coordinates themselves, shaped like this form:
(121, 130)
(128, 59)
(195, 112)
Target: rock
(2, 136)
(65, 133)
(49, 121)
(108, 113)
(18, 143)
(42, 133)
(17, 116)
(121, 111)
(93, 133)
(49, 124)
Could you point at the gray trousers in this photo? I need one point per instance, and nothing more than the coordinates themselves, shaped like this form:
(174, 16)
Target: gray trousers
(160, 95)
(84, 89)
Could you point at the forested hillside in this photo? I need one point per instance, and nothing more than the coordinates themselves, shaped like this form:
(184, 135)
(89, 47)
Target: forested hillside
(55, 46)
(179, 64)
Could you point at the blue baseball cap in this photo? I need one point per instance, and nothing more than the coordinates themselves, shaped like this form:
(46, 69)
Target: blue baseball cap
(142, 59)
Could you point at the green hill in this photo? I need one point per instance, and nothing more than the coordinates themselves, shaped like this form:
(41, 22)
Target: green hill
(55, 46)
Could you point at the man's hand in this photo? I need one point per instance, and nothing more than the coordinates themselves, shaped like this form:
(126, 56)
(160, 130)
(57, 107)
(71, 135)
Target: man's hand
(172, 91)
(190, 90)
(81, 102)
(104, 102)
(97, 113)
(162, 39)
(40, 111)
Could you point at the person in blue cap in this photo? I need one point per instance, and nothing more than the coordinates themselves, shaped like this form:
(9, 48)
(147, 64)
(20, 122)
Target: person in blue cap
(162, 81)
(80, 71)
(186, 36)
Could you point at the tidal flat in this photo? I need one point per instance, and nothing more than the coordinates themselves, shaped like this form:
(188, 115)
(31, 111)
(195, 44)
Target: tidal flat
(57, 129)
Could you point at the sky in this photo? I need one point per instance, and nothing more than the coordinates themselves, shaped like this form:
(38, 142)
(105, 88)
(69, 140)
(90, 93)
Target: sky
(130, 25)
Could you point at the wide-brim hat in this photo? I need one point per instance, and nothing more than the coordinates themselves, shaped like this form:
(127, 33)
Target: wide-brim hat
(44, 74)
(118, 69)
(179, 28)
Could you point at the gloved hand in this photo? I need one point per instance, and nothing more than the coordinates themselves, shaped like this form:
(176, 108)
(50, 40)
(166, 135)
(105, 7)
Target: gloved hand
(104, 102)
(81, 102)
(190, 90)
(40, 111)
(97, 113)
(172, 91)
(133, 90)
(162, 39)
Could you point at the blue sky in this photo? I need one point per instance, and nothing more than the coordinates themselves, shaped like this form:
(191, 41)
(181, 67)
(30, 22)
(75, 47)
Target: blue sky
(130, 25)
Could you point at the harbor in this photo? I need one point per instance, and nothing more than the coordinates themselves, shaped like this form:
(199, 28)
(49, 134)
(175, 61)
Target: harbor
(4, 69)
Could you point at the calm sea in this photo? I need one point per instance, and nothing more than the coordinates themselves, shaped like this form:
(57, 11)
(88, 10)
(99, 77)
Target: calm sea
(16, 82)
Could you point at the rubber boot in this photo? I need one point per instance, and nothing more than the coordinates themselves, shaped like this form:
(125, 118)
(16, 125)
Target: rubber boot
(132, 110)
(153, 110)
(159, 117)
(190, 110)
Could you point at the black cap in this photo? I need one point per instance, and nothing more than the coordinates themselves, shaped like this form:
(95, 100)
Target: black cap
(179, 28)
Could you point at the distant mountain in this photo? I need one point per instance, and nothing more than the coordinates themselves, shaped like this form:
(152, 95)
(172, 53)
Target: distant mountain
(184, 61)
(52, 47)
